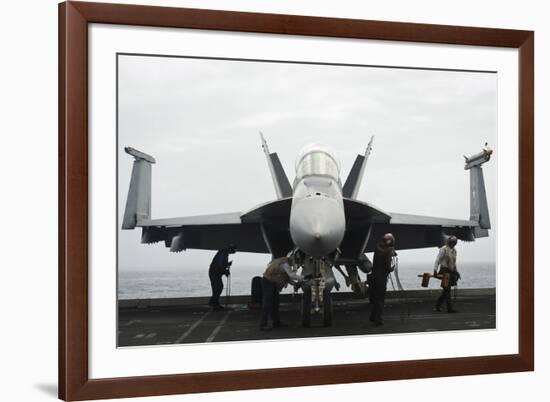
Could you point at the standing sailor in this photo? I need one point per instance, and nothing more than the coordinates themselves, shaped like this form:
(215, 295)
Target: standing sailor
(382, 266)
(446, 261)
(276, 277)
(218, 268)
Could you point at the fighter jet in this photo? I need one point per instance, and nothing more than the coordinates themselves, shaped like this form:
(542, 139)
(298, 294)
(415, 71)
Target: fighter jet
(317, 218)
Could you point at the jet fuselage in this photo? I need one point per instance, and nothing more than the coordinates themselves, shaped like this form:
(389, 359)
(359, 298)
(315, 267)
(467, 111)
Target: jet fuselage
(317, 219)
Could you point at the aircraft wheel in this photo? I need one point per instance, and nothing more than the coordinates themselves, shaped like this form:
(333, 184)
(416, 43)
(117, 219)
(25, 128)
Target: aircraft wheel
(306, 308)
(327, 308)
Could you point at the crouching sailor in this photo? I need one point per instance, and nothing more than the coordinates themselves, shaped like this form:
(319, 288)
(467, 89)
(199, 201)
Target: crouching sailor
(446, 261)
(276, 277)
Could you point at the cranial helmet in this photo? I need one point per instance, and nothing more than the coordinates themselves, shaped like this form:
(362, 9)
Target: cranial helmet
(389, 236)
(451, 241)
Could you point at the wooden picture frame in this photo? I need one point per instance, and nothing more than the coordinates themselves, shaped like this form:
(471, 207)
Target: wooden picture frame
(74, 381)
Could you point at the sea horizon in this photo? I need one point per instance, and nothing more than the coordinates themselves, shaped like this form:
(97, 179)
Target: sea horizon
(168, 282)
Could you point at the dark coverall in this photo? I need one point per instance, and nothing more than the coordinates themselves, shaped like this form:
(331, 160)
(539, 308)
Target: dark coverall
(218, 268)
(381, 269)
(277, 276)
(446, 292)
(270, 303)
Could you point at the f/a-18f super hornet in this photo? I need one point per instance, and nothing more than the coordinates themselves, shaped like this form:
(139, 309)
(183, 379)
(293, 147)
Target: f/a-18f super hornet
(316, 219)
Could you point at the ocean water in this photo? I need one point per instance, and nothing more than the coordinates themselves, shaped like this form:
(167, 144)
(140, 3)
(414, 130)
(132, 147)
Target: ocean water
(164, 283)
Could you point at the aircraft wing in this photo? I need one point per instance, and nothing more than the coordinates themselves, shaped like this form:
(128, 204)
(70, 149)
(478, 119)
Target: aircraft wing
(256, 231)
(206, 232)
(406, 219)
(366, 224)
(415, 231)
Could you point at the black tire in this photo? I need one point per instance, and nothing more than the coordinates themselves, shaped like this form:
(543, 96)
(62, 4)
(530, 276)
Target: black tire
(327, 308)
(256, 291)
(306, 308)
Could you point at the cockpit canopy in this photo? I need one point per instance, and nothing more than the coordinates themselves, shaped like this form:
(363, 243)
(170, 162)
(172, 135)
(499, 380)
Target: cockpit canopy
(317, 159)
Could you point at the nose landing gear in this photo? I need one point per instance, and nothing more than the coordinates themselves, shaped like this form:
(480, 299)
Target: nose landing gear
(317, 297)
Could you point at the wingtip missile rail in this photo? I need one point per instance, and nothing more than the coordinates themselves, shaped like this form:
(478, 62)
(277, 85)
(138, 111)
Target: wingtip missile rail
(478, 159)
(139, 155)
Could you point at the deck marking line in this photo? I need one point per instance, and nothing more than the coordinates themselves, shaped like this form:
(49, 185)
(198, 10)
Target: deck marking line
(191, 328)
(218, 328)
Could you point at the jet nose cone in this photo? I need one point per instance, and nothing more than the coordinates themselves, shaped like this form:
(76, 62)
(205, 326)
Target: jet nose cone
(317, 225)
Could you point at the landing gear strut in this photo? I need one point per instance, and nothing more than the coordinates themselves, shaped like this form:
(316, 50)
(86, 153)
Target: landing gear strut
(317, 297)
(327, 308)
(306, 308)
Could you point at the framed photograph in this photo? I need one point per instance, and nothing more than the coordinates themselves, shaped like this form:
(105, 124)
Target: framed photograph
(260, 200)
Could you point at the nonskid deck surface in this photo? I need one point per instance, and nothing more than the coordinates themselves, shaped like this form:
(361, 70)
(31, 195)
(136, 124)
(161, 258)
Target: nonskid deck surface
(158, 322)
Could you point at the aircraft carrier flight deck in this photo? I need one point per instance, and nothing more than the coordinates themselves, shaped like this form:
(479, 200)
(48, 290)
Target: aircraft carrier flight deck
(190, 320)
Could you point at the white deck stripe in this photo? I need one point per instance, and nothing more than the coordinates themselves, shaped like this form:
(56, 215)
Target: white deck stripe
(218, 328)
(191, 328)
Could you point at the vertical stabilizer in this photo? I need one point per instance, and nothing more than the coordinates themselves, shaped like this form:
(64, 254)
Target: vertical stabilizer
(355, 176)
(479, 210)
(138, 203)
(280, 180)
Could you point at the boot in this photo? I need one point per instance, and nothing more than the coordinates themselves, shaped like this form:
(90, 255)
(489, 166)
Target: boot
(450, 308)
(266, 327)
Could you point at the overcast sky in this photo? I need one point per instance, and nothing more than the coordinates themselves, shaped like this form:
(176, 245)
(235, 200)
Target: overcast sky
(200, 119)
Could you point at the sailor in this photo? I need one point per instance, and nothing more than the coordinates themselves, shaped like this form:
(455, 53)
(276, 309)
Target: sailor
(276, 277)
(446, 262)
(218, 268)
(382, 266)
